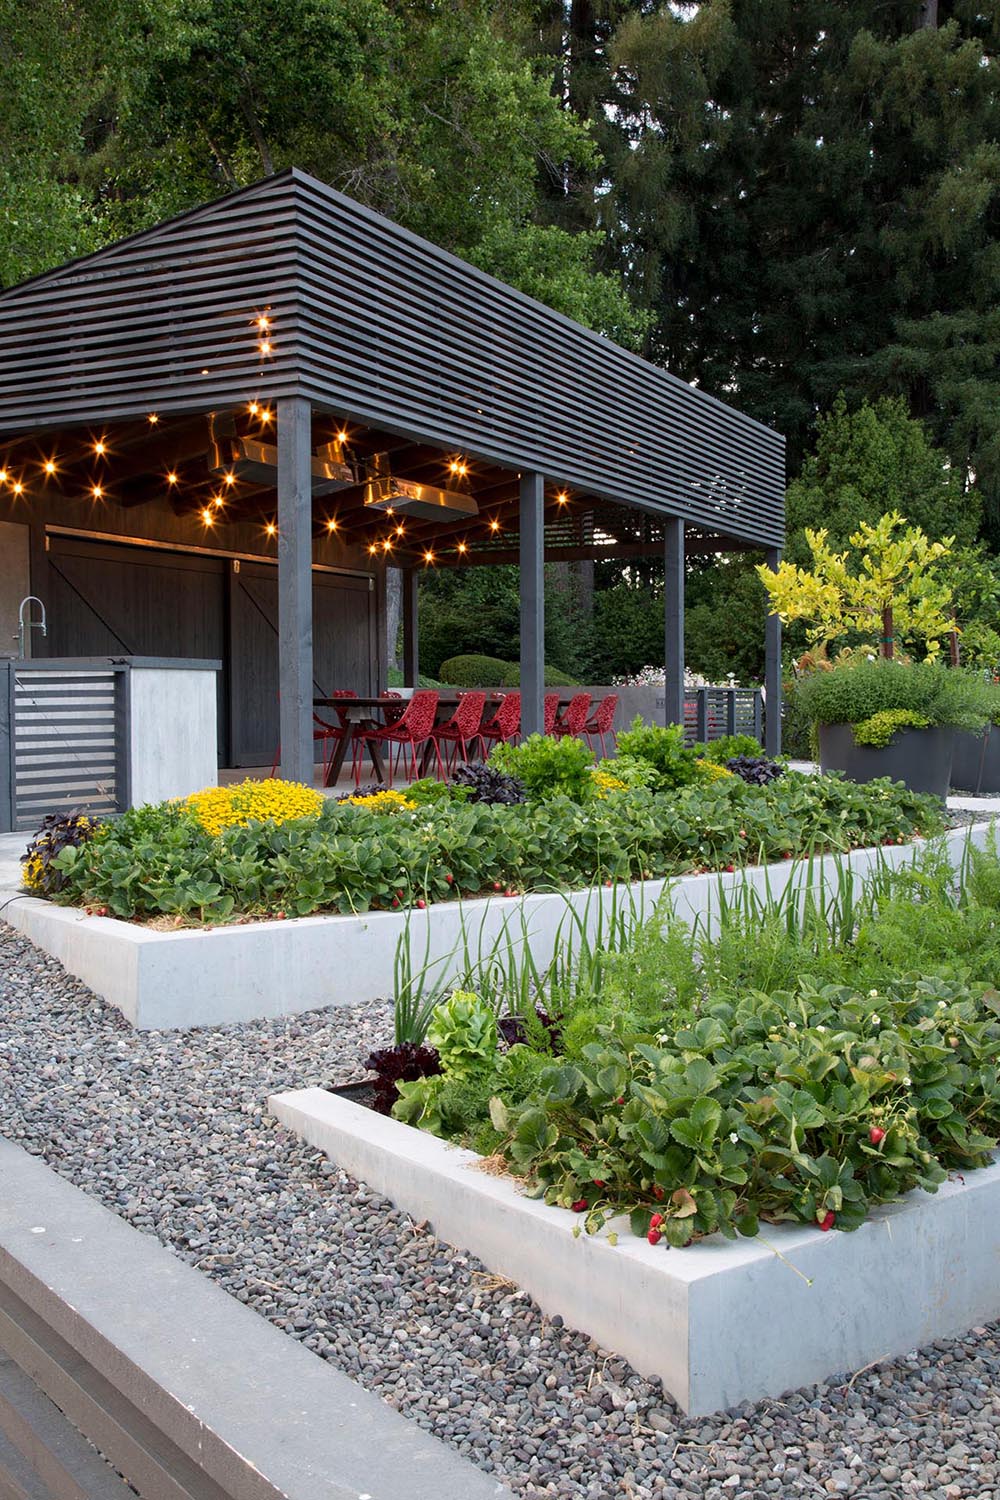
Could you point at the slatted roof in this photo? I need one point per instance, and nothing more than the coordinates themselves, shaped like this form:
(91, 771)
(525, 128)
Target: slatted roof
(289, 288)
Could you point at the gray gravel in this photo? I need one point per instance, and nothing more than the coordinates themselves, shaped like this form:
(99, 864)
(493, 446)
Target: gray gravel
(168, 1130)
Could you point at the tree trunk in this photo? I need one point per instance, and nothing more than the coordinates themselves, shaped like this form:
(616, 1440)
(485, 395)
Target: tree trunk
(927, 15)
(393, 612)
(887, 634)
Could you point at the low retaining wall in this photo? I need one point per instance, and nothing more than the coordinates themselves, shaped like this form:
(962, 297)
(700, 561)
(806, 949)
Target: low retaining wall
(190, 1394)
(721, 1322)
(208, 977)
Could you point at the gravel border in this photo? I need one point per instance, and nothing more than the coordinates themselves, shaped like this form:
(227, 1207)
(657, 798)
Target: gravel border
(168, 1129)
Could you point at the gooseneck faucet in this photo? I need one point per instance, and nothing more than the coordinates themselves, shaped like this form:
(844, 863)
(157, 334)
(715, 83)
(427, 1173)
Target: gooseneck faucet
(25, 623)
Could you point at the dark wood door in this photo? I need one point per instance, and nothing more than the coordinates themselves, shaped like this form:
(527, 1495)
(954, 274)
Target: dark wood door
(344, 650)
(110, 599)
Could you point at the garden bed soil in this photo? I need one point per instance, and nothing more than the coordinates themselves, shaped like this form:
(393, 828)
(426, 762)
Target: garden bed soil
(919, 758)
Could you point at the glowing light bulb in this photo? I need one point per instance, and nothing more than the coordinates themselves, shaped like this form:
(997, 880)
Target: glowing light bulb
(230, 478)
(263, 322)
(331, 525)
(217, 501)
(428, 557)
(18, 487)
(265, 415)
(4, 476)
(562, 498)
(97, 492)
(171, 477)
(271, 529)
(342, 437)
(387, 544)
(372, 550)
(265, 347)
(207, 516)
(49, 466)
(152, 419)
(253, 408)
(462, 547)
(494, 525)
(400, 530)
(100, 447)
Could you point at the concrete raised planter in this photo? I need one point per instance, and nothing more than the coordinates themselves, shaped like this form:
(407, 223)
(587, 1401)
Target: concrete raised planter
(919, 758)
(721, 1322)
(217, 975)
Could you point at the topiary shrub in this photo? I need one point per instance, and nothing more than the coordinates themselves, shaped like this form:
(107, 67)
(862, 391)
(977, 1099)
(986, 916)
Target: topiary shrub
(474, 671)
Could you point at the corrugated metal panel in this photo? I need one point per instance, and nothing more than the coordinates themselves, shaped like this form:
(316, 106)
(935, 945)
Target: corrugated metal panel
(384, 328)
(67, 727)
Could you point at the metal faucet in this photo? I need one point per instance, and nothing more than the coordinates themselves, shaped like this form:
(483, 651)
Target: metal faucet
(25, 623)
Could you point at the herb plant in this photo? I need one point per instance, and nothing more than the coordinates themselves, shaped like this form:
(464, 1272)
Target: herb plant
(548, 767)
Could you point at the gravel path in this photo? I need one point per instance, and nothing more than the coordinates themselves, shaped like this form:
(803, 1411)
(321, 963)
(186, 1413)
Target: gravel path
(168, 1130)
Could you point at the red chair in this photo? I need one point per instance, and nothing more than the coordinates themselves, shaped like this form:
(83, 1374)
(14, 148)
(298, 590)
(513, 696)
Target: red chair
(505, 724)
(574, 716)
(550, 710)
(601, 723)
(461, 730)
(325, 733)
(414, 729)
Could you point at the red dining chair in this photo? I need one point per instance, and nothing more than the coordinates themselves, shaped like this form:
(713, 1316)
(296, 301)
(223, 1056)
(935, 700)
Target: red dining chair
(550, 709)
(505, 724)
(324, 733)
(602, 722)
(461, 730)
(574, 716)
(414, 729)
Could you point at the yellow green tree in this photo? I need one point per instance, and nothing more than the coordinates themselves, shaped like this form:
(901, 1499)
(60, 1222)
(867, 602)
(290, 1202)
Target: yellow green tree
(888, 588)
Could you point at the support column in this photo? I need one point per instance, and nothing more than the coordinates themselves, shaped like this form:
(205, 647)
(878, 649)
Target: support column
(411, 630)
(673, 621)
(772, 670)
(532, 562)
(295, 643)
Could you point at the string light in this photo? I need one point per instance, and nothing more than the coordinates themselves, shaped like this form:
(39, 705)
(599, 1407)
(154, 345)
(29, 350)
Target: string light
(100, 447)
(331, 525)
(428, 557)
(97, 492)
(400, 530)
(271, 529)
(263, 322)
(171, 477)
(218, 501)
(265, 415)
(372, 550)
(230, 478)
(265, 347)
(494, 525)
(562, 498)
(3, 476)
(152, 419)
(458, 466)
(207, 516)
(253, 408)
(18, 487)
(387, 544)
(342, 436)
(462, 547)
(49, 466)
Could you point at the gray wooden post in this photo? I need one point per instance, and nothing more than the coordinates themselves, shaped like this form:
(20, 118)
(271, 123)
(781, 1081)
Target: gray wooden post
(673, 620)
(8, 769)
(411, 630)
(295, 641)
(532, 565)
(772, 671)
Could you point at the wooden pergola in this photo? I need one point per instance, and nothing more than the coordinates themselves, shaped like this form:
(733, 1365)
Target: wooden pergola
(283, 364)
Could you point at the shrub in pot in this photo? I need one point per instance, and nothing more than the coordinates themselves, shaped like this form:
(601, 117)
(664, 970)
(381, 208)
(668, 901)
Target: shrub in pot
(895, 719)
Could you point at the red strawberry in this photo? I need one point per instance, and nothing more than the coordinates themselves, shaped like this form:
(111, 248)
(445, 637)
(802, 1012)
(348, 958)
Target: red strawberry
(421, 903)
(654, 1236)
(497, 886)
(656, 1221)
(395, 900)
(730, 868)
(657, 1192)
(579, 1206)
(450, 879)
(620, 1099)
(280, 915)
(598, 1182)
(827, 1221)
(876, 1135)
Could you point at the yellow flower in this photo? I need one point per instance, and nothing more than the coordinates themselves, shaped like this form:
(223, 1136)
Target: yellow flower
(32, 874)
(710, 770)
(606, 783)
(385, 801)
(244, 802)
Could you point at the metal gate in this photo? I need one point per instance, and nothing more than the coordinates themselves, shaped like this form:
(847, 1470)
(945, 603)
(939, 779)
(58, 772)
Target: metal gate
(63, 739)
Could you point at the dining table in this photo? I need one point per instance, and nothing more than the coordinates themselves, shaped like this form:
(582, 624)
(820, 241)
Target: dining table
(371, 713)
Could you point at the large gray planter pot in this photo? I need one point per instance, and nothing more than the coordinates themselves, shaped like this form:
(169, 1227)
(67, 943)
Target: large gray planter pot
(975, 765)
(919, 758)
